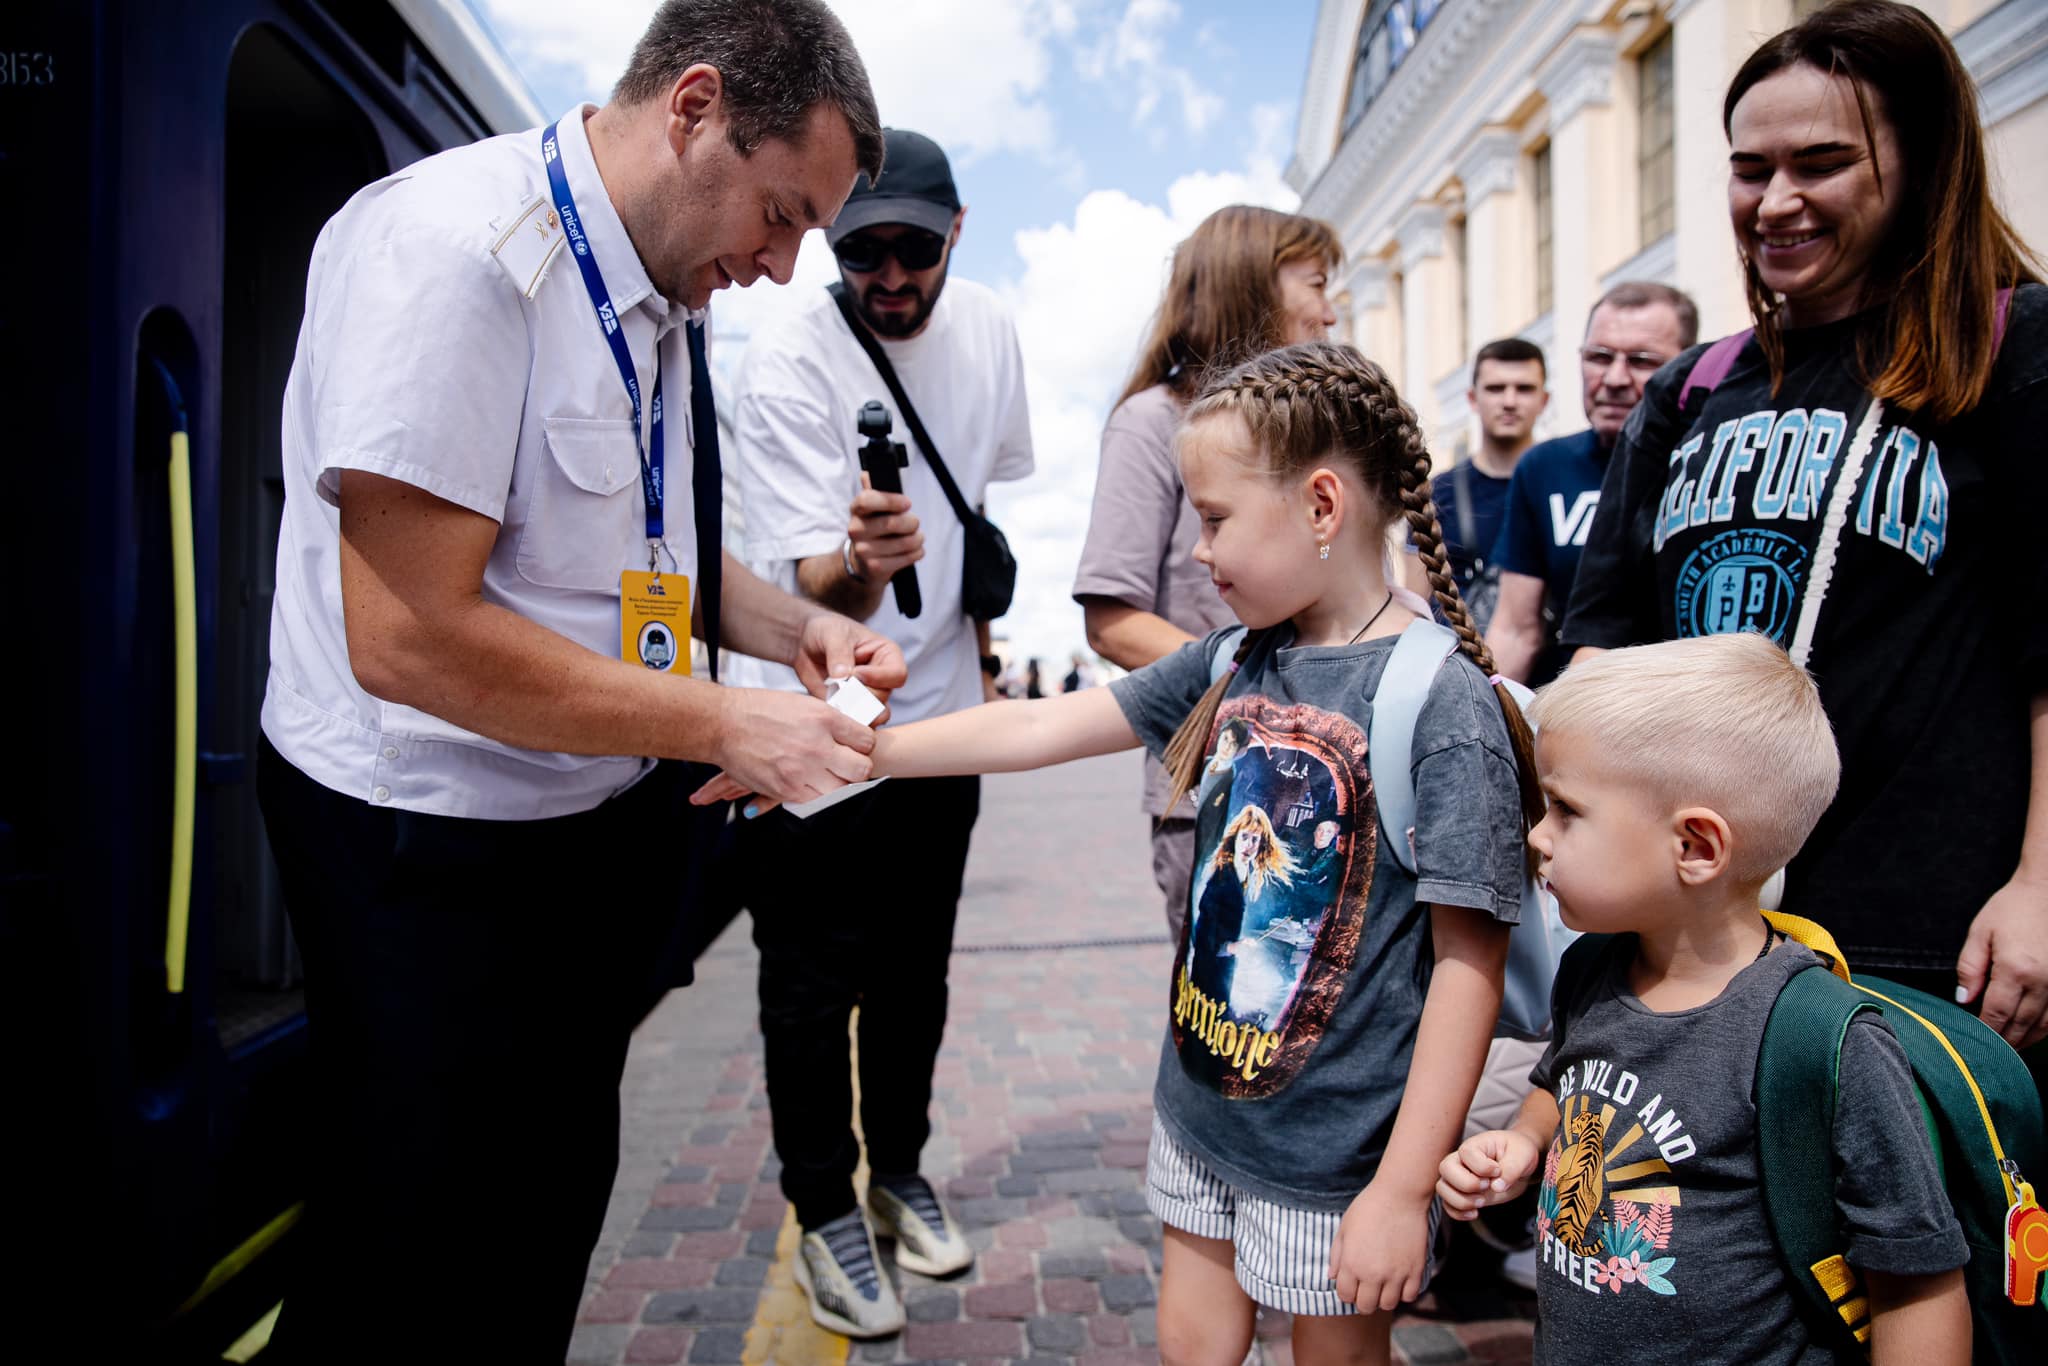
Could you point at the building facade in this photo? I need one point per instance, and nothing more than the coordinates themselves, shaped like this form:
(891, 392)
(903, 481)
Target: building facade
(1493, 165)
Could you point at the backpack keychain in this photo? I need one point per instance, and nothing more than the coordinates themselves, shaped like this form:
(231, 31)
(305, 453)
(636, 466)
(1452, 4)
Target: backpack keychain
(2026, 1240)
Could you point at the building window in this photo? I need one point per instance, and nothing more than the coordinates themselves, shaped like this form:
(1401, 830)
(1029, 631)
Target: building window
(1540, 178)
(1654, 141)
(1389, 33)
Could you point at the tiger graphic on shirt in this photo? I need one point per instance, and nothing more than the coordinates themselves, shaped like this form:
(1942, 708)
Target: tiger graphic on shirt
(1608, 1200)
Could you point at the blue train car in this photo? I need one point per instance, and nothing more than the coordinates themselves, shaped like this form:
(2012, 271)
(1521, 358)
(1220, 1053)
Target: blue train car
(166, 167)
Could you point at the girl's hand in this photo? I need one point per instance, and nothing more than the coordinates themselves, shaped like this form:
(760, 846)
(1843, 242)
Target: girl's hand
(1382, 1250)
(1487, 1168)
(2006, 960)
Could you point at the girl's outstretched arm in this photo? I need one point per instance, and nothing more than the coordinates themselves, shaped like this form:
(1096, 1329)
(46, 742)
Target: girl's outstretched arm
(1004, 737)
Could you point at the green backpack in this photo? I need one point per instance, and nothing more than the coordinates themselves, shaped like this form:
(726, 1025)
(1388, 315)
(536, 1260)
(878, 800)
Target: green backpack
(1983, 1116)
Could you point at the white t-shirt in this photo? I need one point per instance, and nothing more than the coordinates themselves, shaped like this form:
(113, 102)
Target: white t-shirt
(422, 359)
(801, 386)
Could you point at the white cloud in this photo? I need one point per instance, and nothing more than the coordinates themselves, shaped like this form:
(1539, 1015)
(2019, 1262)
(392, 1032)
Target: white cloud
(1134, 54)
(1087, 293)
(977, 69)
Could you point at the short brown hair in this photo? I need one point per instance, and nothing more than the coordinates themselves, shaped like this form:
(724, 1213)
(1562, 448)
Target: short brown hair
(1512, 349)
(1950, 250)
(1647, 294)
(778, 59)
(1222, 304)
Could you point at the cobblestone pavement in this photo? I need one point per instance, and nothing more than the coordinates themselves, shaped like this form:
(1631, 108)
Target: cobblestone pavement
(1042, 1114)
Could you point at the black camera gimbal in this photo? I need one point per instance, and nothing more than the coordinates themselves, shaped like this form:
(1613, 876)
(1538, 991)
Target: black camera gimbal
(882, 459)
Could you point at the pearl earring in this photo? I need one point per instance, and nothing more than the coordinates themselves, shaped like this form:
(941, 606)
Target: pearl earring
(1322, 550)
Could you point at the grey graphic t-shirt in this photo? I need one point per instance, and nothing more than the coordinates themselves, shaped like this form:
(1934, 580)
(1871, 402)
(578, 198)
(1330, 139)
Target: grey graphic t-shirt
(1651, 1239)
(1300, 977)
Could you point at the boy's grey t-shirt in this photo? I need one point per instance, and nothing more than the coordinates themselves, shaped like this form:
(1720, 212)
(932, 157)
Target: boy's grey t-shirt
(1651, 1238)
(1299, 982)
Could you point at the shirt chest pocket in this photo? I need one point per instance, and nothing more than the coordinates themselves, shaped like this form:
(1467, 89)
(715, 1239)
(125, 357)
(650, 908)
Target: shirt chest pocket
(586, 520)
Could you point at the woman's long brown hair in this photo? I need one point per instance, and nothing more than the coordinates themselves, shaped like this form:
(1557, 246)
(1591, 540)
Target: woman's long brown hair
(1222, 301)
(1308, 405)
(1950, 250)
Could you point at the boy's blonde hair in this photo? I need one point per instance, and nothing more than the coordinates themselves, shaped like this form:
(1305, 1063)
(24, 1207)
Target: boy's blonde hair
(1727, 722)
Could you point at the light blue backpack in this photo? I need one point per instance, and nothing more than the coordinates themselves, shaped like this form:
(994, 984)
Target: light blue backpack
(1539, 938)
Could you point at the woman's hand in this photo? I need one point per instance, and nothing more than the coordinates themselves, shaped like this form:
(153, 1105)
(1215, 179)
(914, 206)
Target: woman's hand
(2005, 960)
(1382, 1249)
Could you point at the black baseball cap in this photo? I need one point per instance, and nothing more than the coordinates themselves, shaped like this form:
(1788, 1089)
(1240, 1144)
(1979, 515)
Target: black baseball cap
(916, 187)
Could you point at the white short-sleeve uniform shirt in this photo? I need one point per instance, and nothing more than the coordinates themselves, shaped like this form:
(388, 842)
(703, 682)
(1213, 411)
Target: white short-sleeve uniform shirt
(422, 359)
(801, 386)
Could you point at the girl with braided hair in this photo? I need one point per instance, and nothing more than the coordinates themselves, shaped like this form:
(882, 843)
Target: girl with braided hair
(1302, 1106)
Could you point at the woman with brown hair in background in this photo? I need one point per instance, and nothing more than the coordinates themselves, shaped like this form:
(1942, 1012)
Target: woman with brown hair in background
(1860, 479)
(1246, 280)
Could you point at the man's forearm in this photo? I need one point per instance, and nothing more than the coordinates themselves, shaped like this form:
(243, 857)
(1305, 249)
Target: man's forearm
(1128, 637)
(759, 619)
(823, 579)
(510, 679)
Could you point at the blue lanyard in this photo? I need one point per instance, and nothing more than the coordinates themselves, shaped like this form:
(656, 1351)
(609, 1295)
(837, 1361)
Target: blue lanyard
(607, 317)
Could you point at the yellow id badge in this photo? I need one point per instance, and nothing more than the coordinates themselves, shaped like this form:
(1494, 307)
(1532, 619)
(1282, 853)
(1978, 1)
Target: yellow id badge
(654, 620)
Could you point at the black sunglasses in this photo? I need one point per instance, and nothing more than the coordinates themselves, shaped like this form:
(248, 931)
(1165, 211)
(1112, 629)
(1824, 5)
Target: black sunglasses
(914, 250)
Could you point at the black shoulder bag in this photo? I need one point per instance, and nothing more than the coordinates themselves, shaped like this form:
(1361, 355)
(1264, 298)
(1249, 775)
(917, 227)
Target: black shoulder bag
(988, 571)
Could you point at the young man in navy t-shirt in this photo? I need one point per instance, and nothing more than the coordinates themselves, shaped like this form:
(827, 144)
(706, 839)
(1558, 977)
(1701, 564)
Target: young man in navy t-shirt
(1635, 328)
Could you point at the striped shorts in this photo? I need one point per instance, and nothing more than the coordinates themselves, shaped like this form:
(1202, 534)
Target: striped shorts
(1282, 1251)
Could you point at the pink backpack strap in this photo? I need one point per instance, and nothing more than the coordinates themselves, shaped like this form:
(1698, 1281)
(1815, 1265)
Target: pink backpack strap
(1714, 364)
(1998, 311)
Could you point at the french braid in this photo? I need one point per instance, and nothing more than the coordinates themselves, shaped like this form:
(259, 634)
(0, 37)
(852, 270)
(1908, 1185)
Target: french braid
(1302, 405)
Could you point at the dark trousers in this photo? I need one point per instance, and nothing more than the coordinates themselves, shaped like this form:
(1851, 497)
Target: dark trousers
(855, 907)
(470, 989)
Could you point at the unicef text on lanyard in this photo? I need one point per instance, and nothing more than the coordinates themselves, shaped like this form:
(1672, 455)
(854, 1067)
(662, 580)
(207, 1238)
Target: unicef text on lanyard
(654, 620)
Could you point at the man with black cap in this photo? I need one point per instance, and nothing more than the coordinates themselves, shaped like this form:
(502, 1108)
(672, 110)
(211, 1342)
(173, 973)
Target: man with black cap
(813, 526)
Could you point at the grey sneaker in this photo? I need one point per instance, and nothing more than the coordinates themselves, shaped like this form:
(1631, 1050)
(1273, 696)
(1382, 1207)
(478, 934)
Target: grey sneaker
(837, 1267)
(927, 1240)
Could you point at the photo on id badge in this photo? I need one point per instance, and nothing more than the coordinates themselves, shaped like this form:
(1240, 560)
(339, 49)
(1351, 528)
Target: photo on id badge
(1285, 842)
(654, 620)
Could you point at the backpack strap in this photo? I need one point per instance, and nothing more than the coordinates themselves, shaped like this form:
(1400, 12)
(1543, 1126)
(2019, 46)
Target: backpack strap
(1226, 650)
(2001, 306)
(1798, 1072)
(1713, 366)
(1396, 707)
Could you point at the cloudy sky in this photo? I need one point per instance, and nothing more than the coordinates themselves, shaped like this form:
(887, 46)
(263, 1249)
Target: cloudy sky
(1087, 136)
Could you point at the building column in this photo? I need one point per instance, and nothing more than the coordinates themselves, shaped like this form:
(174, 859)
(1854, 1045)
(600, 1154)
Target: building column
(1500, 237)
(1709, 40)
(1375, 315)
(1429, 309)
(1592, 180)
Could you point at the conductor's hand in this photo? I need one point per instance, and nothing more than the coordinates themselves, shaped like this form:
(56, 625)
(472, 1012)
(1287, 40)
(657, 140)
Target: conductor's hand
(786, 747)
(832, 646)
(886, 535)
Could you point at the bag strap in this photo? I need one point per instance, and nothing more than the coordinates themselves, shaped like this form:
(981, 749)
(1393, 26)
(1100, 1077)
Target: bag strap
(1713, 366)
(1798, 1073)
(1396, 707)
(837, 289)
(1461, 479)
(1226, 650)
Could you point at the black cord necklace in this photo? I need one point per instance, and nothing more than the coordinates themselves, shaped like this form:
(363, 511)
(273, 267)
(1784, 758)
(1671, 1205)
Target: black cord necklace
(1770, 938)
(1375, 617)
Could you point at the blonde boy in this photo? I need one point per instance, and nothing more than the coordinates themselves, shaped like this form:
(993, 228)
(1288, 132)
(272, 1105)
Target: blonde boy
(1679, 777)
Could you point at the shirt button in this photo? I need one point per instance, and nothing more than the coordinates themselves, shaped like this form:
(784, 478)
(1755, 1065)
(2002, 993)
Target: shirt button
(607, 474)
(391, 751)
(382, 794)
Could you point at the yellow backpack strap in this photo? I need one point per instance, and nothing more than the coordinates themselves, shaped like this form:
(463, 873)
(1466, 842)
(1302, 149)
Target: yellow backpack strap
(1802, 931)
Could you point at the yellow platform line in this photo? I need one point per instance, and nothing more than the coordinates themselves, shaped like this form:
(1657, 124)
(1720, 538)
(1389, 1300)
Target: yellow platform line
(783, 1332)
